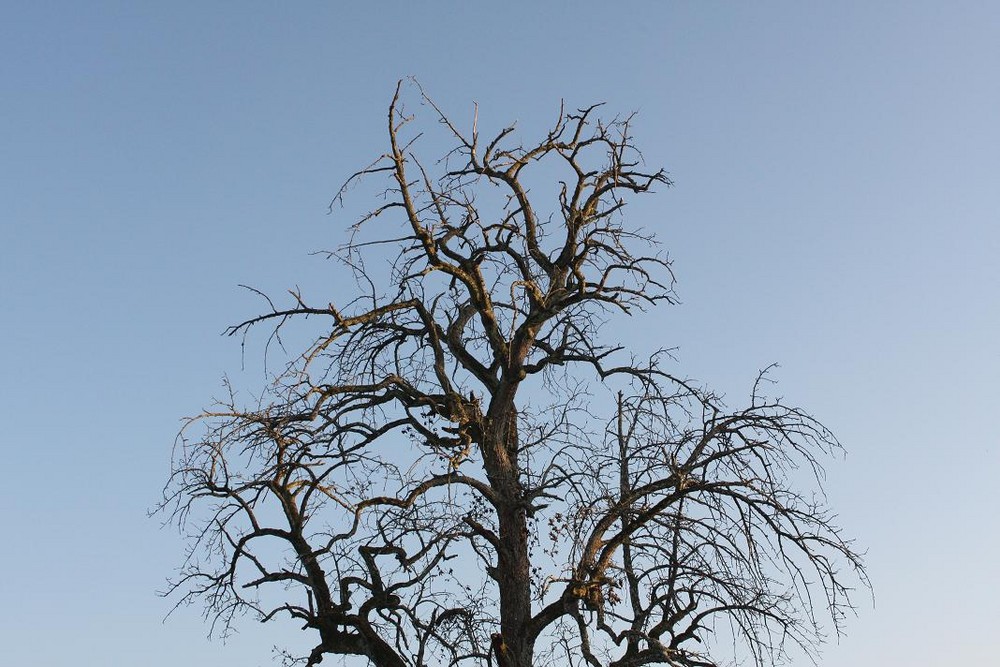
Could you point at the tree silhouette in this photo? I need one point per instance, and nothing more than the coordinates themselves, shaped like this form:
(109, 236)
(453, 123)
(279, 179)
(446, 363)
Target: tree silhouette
(461, 469)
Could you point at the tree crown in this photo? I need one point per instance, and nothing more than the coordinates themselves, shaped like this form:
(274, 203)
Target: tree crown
(459, 469)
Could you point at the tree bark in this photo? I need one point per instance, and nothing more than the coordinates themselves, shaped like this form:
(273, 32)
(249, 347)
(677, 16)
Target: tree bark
(513, 568)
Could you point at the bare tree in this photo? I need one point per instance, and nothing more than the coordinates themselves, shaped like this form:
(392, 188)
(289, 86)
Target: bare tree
(460, 469)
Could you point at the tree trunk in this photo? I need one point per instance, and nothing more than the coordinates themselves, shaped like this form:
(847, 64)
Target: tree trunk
(513, 572)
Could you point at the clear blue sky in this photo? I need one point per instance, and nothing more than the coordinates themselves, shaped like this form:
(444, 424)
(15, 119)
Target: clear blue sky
(835, 210)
